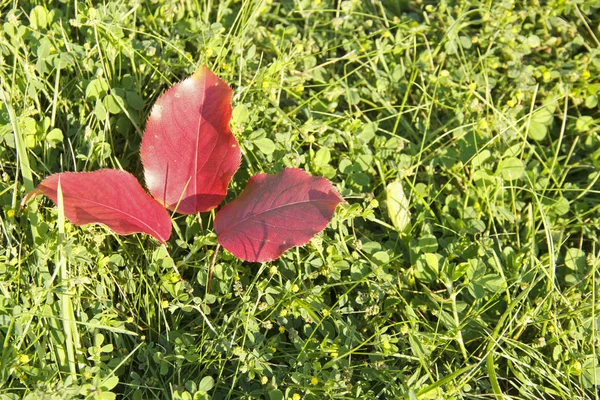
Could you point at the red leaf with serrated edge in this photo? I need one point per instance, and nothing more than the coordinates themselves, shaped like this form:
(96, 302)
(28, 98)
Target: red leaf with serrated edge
(275, 213)
(188, 151)
(108, 196)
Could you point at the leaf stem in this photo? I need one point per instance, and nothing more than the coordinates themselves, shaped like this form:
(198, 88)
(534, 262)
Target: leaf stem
(210, 269)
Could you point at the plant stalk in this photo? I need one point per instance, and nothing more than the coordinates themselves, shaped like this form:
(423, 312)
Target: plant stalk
(210, 269)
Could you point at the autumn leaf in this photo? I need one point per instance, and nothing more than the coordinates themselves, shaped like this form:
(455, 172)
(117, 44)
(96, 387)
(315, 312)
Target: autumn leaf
(188, 151)
(275, 213)
(110, 197)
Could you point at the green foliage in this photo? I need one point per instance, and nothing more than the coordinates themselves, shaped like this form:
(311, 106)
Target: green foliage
(486, 114)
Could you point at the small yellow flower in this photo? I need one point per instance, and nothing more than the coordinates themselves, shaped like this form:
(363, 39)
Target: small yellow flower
(386, 346)
(281, 329)
(586, 75)
(296, 396)
(283, 312)
(264, 380)
(520, 95)
(164, 304)
(314, 381)
(295, 288)
(575, 368)
(546, 76)
(23, 359)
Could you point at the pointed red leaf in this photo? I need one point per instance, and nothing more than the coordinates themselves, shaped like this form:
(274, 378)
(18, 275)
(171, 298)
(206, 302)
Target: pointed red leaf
(110, 197)
(188, 150)
(275, 213)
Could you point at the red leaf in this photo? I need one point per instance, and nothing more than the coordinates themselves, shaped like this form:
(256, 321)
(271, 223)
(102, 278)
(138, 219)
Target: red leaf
(110, 197)
(188, 151)
(275, 213)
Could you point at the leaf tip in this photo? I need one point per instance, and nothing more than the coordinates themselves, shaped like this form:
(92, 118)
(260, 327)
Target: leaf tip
(200, 72)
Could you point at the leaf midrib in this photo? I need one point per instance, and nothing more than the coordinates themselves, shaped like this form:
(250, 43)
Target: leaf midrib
(273, 209)
(117, 210)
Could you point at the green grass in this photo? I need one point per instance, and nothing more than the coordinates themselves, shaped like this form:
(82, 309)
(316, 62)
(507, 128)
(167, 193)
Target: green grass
(485, 112)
